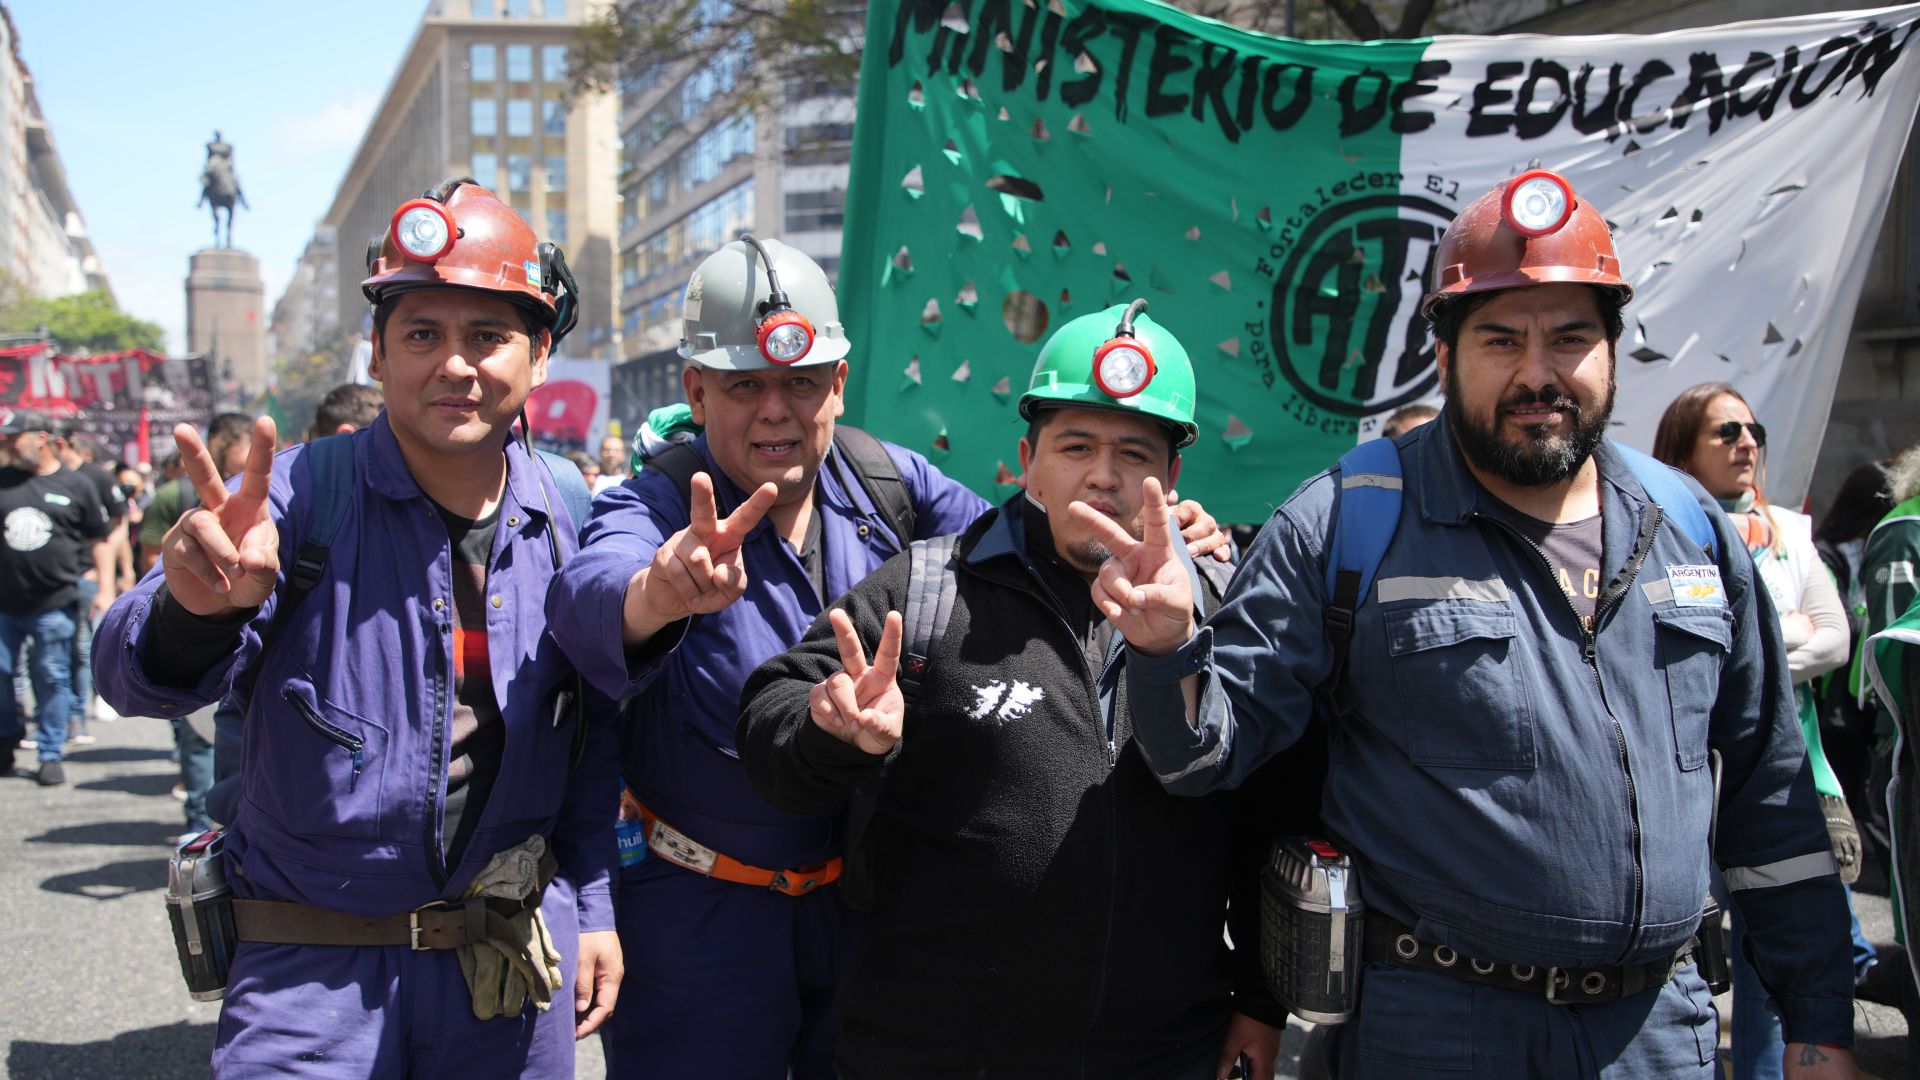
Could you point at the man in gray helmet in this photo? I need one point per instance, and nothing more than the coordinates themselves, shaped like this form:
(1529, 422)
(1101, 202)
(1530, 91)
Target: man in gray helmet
(716, 557)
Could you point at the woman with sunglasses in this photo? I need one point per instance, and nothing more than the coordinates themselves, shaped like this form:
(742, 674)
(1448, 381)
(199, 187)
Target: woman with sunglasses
(1709, 433)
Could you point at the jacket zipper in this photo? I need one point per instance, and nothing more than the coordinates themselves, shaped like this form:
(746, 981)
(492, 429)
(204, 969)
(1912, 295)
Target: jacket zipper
(1589, 652)
(1113, 825)
(352, 744)
(436, 856)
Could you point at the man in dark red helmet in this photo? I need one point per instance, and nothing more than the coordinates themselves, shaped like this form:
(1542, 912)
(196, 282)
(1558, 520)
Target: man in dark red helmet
(421, 857)
(1539, 660)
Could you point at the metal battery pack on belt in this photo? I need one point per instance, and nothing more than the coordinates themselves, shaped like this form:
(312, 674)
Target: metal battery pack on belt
(1316, 936)
(683, 851)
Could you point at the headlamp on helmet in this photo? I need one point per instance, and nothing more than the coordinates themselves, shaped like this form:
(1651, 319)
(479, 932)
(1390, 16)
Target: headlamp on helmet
(785, 335)
(424, 229)
(1124, 365)
(1537, 203)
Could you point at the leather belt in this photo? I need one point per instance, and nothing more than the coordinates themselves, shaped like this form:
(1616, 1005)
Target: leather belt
(683, 851)
(443, 924)
(1390, 941)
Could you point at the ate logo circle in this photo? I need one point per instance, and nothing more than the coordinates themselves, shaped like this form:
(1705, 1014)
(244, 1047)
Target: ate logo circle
(1346, 329)
(28, 529)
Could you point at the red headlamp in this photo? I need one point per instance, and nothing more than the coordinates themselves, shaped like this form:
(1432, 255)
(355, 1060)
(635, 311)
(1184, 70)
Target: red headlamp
(1538, 202)
(785, 336)
(423, 229)
(1123, 366)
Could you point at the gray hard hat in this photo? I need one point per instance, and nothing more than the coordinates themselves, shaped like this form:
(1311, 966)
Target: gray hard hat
(722, 310)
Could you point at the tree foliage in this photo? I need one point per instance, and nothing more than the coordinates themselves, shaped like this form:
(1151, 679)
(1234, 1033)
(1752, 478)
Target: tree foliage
(301, 380)
(85, 322)
(760, 46)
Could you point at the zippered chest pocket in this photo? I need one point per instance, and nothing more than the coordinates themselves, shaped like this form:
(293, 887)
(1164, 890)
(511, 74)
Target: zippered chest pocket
(327, 767)
(1463, 701)
(1693, 647)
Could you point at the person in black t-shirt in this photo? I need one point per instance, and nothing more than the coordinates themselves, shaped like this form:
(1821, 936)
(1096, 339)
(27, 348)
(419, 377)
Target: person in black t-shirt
(80, 455)
(50, 518)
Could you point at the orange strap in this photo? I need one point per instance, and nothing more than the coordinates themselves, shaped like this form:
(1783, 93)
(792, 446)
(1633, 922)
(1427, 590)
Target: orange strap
(677, 848)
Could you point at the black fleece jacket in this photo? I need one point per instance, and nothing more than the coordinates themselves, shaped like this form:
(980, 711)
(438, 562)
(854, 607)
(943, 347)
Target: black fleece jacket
(1041, 906)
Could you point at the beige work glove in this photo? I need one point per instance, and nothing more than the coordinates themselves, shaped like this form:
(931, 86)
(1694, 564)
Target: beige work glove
(1845, 836)
(502, 974)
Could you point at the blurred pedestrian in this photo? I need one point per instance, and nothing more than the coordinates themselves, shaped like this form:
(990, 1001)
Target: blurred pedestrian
(614, 463)
(346, 408)
(97, 586)
(1709, 433)
(52, 518)
(1408, 418)
(589, 468)
(1847, 726)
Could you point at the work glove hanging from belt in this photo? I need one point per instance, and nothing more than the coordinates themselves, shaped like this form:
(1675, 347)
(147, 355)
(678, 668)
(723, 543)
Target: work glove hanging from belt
(516, 960)
(1845, 836)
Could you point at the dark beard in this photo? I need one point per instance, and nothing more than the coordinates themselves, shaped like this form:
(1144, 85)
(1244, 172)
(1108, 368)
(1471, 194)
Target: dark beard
(1087, 556)
(1537, 459)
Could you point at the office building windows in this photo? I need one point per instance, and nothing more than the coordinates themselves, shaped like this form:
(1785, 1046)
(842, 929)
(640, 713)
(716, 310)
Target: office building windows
(486, 169)
(519, 63)
(553, 63)
(519, 9)
(481, 65)
(813, 211)
(486, 116)
(519, 172)
(485, 9)
(554, 117)
(556, 172)
(519, 118)
(557, 226)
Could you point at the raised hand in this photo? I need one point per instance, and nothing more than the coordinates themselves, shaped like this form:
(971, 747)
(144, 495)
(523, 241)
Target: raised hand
(1203, 534)
(224, 555)
(862, 703)
(698, 570)
(1143, 588)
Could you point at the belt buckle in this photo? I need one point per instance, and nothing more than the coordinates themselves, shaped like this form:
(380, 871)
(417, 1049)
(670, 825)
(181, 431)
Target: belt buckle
(414, 929)
(1553, 983)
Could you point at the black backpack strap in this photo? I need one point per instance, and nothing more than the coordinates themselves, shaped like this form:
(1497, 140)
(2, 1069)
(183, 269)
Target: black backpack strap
(879, 476)
(679, 462)
(330, 471)
(931, 586)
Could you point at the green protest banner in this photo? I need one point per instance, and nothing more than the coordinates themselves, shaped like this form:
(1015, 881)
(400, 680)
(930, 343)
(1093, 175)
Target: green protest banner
(1018, 163)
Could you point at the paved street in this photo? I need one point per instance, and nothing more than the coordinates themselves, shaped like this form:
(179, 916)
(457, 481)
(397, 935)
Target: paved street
(91, 986)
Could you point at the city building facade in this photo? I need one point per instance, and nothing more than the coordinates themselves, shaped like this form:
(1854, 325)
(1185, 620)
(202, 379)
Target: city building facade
(482, 91)
(43, 238)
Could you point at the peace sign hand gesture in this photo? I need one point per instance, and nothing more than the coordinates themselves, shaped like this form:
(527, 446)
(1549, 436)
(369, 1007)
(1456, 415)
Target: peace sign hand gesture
(862, 703)
(224, 555)
(1143, 588)
(698, 570)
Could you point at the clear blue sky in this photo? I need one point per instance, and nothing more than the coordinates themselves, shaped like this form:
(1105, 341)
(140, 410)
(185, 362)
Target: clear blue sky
(133, 91)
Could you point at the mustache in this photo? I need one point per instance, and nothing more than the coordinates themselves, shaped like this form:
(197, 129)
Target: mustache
(1547, 397)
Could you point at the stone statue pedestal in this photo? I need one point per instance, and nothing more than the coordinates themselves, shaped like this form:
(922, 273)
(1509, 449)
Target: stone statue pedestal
(226, 314)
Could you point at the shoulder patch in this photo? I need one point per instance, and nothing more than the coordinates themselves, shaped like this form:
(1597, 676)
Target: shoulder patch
(1696, 586)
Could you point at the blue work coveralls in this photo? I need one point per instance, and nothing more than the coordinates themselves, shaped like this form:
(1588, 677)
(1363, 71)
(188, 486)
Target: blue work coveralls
(344, 771)
(725, 979)
(1519, 789)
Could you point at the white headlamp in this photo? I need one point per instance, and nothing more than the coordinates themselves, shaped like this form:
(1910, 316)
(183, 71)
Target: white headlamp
(1124, 365)
(1537, 203)
(423, 229)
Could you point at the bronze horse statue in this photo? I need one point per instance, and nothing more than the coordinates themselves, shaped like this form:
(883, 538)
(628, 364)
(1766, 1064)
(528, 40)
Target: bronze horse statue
(220, 187)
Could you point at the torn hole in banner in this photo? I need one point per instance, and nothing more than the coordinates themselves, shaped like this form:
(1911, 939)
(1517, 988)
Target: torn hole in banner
(1230, 347)
(910, 375)
(1264, 218)
(1025, 316)
(917, 95)
(941, 447)
(1003, 478)
(1004, 43)
(968, 299)
(914, 183)
(1237, 434)
(1003, 390)
(952, 150)
(955, 19)
(1193, 233)
(969, 92)
(1062, 247)
(1021, 245)
(1100, 248)
(969, 224)
(1158, 282)
(1079, 126)
(1066, 299)
(963, 373)
(1040, 133)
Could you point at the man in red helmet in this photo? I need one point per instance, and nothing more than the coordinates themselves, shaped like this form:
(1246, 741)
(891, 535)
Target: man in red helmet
(421, 857)
(1536, 685)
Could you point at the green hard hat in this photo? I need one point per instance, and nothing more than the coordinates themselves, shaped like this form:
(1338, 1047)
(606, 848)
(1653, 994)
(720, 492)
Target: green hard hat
(1065, 375)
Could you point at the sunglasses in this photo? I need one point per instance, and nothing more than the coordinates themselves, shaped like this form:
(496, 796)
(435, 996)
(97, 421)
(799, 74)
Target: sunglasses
(1729, 433)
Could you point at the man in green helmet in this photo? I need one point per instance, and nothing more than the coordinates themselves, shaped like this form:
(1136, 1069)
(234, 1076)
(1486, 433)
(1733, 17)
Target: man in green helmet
(1040, 906)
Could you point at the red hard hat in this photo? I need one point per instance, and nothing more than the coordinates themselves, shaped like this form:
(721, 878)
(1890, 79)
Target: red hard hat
(468, 239)
(1494, 245)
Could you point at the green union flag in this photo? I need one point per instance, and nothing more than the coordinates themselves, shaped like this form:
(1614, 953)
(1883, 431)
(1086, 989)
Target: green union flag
(1019, 163)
